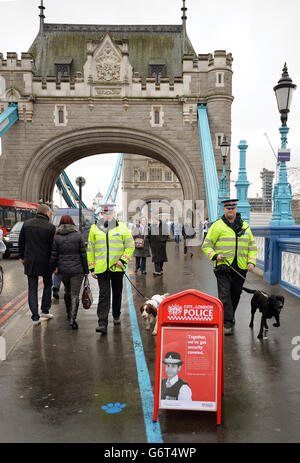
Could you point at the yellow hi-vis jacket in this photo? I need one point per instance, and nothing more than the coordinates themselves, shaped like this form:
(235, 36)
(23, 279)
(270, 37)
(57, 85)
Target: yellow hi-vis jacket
(222, 239)
(105, 249)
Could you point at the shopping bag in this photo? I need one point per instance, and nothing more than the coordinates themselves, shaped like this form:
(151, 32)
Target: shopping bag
(87, 297)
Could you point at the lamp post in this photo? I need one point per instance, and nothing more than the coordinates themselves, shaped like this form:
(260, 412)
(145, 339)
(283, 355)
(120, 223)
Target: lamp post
(223, 191)
(282, 196)
(242, 184)
(80, 181)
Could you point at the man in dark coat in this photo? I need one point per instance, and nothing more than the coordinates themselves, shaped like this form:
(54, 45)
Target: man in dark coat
(35, 244)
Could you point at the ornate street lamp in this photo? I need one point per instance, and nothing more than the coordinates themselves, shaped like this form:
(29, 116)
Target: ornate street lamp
(284, 91)
(80, 181)
(282, 196)
(224, 150)
(223, 191)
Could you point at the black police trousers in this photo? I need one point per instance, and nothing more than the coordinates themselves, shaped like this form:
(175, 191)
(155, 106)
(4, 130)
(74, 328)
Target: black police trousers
(229, 290)
(108, 281)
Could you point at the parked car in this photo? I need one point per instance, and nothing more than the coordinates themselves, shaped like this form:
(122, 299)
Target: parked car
(11, 240)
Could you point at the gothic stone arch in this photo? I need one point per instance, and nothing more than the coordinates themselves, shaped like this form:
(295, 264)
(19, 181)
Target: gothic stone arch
(48, 161)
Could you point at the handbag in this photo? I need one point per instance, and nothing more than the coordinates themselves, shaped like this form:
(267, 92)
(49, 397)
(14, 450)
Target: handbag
(87, 296)
(139, 243)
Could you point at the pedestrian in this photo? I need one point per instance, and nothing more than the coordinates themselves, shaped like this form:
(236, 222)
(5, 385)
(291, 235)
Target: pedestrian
(177, 230)
(140, 234)
(173, 387)
(158, 244)
(69, 259)
(188, 233)
(205, 227)
(230, 244)
(110, 247)
(35, 243)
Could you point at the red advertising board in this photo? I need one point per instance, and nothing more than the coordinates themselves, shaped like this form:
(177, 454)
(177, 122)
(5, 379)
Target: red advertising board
(189, 356)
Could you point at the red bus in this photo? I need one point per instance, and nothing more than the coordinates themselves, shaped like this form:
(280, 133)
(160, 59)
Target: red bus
(13, 210)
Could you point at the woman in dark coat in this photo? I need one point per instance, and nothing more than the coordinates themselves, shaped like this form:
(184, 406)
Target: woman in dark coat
(142, 248)
(158, 243)
(188, 233)
(68, 256)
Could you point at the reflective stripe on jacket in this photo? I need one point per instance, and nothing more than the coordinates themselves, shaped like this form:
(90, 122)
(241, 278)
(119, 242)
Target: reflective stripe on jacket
(105, 249)
(222, 239)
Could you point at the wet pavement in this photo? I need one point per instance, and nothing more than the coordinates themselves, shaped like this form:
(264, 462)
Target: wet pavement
(56, 380)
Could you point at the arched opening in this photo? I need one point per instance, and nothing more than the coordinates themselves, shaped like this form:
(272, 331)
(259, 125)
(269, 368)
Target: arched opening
(58, 153)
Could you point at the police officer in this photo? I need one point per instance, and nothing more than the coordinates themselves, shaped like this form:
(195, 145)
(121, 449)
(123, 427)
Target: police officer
(230, 244)
(110, 247)
(173, 387)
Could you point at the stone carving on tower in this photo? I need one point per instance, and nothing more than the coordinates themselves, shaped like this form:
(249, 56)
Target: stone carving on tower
(107, 68)
(108, 64)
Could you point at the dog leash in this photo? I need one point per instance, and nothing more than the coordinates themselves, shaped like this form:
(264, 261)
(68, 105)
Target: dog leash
(124, 268)
(241, 276)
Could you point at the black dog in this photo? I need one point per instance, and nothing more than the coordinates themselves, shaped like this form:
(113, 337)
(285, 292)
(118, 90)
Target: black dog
(269, 306)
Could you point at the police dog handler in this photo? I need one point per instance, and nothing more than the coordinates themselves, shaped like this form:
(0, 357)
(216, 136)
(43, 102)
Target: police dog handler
(110, 247)
(230, 243)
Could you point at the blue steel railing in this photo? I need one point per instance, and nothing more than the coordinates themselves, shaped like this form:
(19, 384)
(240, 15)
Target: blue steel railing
(209, 164)
(279, 255)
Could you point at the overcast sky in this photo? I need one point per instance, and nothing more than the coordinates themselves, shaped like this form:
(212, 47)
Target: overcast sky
(261, 35)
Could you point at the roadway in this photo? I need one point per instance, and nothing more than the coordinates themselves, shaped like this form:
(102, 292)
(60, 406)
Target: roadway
(55, 380)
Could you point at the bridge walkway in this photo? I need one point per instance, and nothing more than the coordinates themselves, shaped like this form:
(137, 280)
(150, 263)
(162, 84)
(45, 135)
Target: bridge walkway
(55, 381)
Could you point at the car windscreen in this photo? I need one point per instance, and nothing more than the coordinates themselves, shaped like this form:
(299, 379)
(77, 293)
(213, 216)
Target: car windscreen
(17, 227)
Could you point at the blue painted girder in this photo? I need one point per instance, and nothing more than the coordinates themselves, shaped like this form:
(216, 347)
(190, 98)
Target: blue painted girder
(8, 118)
(209, 164)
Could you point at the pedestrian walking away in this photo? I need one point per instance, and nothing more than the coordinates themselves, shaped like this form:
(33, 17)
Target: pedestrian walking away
(69, 260)
(177, 231)
(140, 233)
(35, 244)
(188, 233)
(110, 247)
(158, 243)
(230, 244)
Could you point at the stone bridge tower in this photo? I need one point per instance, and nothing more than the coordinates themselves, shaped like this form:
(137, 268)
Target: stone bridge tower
(90, 89)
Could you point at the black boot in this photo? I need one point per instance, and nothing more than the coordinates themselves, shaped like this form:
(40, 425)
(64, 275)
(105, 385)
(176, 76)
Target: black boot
(74, 310)
(67, 298)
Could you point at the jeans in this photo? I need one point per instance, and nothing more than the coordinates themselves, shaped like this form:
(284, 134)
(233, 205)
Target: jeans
(33, 295)
(107, 280)
(56, 281)
(140, 263)
(177, 239)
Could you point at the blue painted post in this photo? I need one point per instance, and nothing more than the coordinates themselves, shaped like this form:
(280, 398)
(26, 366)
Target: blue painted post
(223, 192)
(282, 196)
(242, 184)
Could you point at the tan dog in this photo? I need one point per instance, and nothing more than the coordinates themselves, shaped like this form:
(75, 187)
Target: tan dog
(149, 310)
